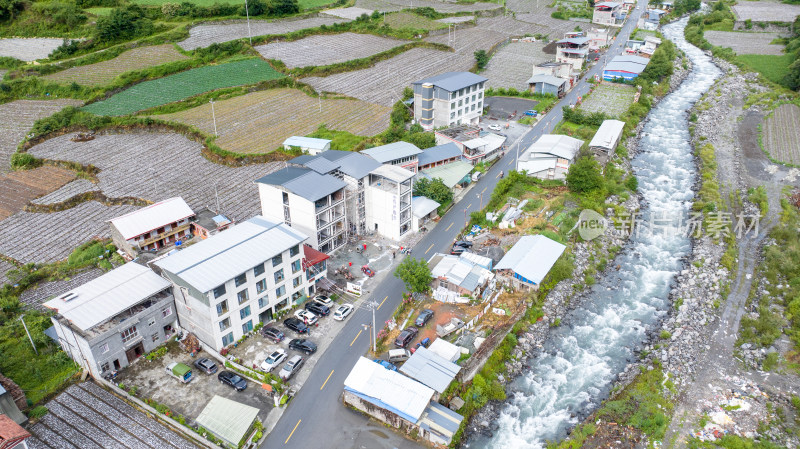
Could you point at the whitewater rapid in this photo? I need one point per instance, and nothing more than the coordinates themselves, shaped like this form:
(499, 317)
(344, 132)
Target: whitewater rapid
(580, 361)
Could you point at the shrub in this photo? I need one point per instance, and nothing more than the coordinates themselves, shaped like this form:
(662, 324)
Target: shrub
(24, 161)
(38, 412)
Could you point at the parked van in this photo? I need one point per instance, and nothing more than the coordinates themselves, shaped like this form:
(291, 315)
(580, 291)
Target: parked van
(398, 355)
(180, 371)
(476, 176)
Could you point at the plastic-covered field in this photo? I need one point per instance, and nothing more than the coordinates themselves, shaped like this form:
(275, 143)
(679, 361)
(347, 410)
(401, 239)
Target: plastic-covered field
(327, 49)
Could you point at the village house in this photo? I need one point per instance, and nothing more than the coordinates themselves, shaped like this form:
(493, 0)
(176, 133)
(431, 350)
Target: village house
(449, 99)
(651, 19)
(573, 51)
(599, 38)
(464, 275)
(208, 223)
(547, 84)
(550, 156)
(424, 210)
(527, 263)
(153, 227)
(310, 145)
(627, 67)
(230, 282)
(608, 14)
(454, 175)
(438, 155)
(12, 435)
(649, 46)
(402, 154)
(389, 196)
(476, 145)
(107, 323)
(606, 139)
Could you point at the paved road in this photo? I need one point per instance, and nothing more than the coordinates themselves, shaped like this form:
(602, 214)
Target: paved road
(316, 416)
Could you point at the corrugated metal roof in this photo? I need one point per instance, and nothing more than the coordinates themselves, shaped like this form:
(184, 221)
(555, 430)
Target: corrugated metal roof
(532, 257)
(355, 165)
(565, 147)
(430, 368)
(221, 257)
(282, 176)
(303, 182)
(109, 295)
(608, 133)
(439, 153)
(451, 174)
(392, 151)
(445, 349)
(388, 389)
(441, 421)
(321, 165)
(229, 420)
(547, 79)
(152, 217)
(307, 142)
(629, 67)
(422, 206)
(393, 172)
(453, 81)
(462, 271)
(476, 259)
(630, 58)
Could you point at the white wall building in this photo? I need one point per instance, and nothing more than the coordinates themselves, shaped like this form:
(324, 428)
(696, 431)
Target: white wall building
(550, 156)
(388, 195)
(152, 227)
(449, 99)
(402, 154)
(229, 282)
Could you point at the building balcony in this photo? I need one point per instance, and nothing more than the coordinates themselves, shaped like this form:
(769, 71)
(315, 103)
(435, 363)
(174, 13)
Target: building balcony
(145, 241)
(131, 317)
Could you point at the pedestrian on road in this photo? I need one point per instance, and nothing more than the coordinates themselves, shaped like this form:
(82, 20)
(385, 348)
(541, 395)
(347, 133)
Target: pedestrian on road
(394, 256)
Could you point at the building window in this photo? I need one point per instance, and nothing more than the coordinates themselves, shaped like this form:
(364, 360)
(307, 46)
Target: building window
(219, 291)
(247, 327)
(279, 276)
(452, 115)
(473, 98)
(263, 302)
(243, 296)
(155, 337)
(129, 334)
(227, 339)
(295, 266)
(258, 270)
(480, 104)
(460, 103)
(261, 286)
(453, 105)
(473, 107)
(297, 295)
(166, 311)
(104, 367)
(222, 308)
(241, 279)
(295, 250)
(480, 95)
(277, 260)
(296, 281)
(151, 322)
(244, 313)
(224, 324)
(280, 291)
(104, 348)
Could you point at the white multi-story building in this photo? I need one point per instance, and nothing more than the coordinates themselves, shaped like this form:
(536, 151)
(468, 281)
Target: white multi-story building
(229, 282)
(449, 99)
(402, 154)
(389, 200)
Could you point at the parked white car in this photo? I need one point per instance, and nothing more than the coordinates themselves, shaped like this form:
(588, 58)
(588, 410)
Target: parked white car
(307, 317)
(324, 300)
(495, 127)
(343, 312)
(273, 360)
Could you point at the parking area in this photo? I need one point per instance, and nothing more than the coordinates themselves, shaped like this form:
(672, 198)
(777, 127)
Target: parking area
(152, 382)
(502, 107)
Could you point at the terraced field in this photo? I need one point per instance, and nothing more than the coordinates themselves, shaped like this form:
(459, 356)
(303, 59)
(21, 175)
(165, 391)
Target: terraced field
(53, 236)
(511, 65)
(612, 99)
(155, 166)
(104, 72)
(275, 114)
(745, 43)
(4, 267)
(486, 34)
(19, 187)
(29, 49)
(204, 35)
(537, 12)
(765, 11)
(16, 120)
(327, 49)
(184, 85)
(383, 83)
(401, 20)
(781, 136)
(67, 191)
(351, 13)
(441, 6)
(86, 416)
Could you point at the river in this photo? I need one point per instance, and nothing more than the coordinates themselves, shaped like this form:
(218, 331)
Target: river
(581, 360)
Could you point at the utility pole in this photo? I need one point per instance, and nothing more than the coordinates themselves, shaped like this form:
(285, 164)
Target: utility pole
(320, 104)
(481, 197)
(374, 306)
(29, 334)
(516, 161)
(247, 11)
(214, 116)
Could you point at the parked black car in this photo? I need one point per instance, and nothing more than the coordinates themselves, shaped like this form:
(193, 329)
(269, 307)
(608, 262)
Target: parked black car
(232, 379)
(205, 365)
(463, 243)
(317, 308)
(405, 337)
(458, 250)
(303, 345)
(423, 317)
(296, 325)
(272, 333)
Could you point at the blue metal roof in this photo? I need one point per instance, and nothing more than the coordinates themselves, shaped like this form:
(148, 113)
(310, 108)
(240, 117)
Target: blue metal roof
(453, 81)
(438, 153)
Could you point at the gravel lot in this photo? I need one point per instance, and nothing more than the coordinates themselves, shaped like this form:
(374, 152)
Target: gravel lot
(511, 65)
(613, 99)
(765, 11)
(29, 49)
(17, 118)
(86, 416)
(156, 166)
(210, 33)
(327, 49)
(745, 43)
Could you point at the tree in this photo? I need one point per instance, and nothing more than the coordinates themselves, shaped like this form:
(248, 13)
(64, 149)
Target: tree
(254, 8)
(415, 274)
(584, 175)
(481, 58)
(10, 8)
(421, 139)
(123, 24)
(434, 189)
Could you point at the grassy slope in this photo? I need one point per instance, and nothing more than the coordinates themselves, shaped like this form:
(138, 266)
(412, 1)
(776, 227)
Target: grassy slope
(773, 67)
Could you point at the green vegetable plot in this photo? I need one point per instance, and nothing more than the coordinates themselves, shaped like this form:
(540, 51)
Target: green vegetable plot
(184, 85)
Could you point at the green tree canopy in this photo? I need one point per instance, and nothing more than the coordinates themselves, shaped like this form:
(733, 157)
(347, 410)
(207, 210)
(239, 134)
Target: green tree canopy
(415, 274)
(284, 7)
(584, 175)
(481, 58)
(123, 24)
(433, 189)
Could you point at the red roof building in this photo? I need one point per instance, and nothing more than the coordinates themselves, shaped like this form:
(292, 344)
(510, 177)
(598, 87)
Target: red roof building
(11, 434)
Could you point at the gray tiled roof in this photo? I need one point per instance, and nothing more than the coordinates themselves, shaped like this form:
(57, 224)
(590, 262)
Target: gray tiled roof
(438, 153)
(352, 164)
(453, 81)
(303, 182)
(392, 151)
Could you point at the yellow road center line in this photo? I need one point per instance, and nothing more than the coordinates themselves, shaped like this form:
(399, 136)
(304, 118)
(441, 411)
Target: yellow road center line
(448, 228)
(290, 435)
(354, 340)
(384, 300)
(326, 381)
(429, 248)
